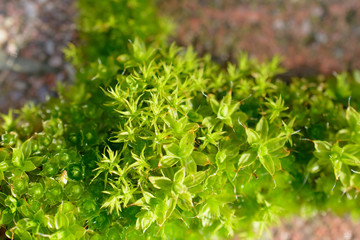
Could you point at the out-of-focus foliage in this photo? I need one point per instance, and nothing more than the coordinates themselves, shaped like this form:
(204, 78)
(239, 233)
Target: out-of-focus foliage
(154, 142)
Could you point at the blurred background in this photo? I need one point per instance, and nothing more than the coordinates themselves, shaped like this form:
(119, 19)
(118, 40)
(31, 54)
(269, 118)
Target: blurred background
(313, 37)
(32, 36)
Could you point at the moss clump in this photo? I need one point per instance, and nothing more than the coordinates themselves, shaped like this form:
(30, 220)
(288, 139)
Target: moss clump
(153, 142)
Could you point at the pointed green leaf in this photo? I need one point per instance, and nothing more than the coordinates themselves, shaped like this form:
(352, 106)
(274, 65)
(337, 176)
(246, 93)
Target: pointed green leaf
(194, 180)
(342, 171)
(28, 166)
(213, 103)
(252, 136)
(187, 144)
(161, 182)
(275, 144)
(179, 176)
(268, 163)
(26, 148)
(61, 220)
(18, 158)
(23, 234)
(323, 149)
(200, 158)
(352, 117)
(186, 199)
(262, 127)
(355, 180)
(168, 161)
(247, 159)
(144, 220)
(77, 231)
(172, 150)
(190, 165)
(350, 160)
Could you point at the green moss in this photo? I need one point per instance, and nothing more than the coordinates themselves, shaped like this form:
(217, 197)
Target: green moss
(153, 142)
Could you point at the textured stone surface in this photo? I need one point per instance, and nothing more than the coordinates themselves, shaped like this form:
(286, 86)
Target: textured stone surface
(321, 227)
(312, 36)
(33, 33)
